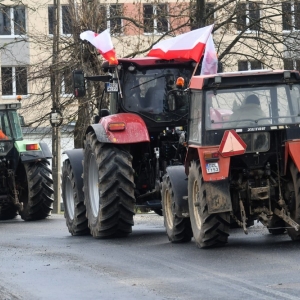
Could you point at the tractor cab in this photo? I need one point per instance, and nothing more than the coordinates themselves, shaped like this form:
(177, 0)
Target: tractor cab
(256, 102)
(10, 128)
(150, 87)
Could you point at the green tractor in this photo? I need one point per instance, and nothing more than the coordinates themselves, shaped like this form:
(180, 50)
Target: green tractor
(26, 186)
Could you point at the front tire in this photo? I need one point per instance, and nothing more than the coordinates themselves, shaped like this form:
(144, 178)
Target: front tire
(36, 192)
(108, 188)
(74, 208)
(208, 229)
(178, 229)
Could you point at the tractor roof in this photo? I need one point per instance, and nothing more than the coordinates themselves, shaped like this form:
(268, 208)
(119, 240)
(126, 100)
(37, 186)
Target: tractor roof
(142, 62)
(244, 78)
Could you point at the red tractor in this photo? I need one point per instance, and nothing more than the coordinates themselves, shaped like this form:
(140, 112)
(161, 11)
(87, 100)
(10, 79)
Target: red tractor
(127, 150)
(242, 161)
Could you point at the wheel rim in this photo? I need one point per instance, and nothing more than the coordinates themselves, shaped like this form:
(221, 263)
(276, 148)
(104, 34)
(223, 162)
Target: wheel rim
(196, 204)
(69, 198)
(93, 186)
(168, 209)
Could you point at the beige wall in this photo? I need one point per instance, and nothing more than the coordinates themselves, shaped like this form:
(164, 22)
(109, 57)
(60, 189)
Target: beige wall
(39, 45)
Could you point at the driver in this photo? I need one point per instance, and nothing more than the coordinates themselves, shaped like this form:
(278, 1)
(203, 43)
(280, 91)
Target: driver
(249, 110)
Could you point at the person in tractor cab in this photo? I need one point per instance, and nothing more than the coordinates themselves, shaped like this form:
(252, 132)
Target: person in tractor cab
(143, 89)
(249, 110)
(149, 95)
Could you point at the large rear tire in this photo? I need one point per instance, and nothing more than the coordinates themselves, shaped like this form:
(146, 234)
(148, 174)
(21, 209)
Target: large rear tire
(74, 208)
(294, 205)
(178, 229)
(108, 188)
(36, 192)
(208, 229)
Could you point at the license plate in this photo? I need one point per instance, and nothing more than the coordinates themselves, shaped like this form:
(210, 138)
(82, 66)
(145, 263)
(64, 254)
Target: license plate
(111, 87)
(212, 168)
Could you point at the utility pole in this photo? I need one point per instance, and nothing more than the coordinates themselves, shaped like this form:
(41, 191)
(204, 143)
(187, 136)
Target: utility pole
(200, 13)
(55, 115)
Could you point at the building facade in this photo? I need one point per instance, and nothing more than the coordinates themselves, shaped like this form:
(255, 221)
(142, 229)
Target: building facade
(248, 35)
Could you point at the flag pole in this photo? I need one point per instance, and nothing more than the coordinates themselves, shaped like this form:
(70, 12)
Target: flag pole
(194, 73)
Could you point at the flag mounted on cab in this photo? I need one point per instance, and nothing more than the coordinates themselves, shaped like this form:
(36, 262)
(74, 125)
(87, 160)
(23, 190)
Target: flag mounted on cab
(189, 45)
(103, 44)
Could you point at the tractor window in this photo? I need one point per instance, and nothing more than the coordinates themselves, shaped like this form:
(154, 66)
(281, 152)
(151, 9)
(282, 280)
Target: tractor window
(148, 93)
(195, 124)
(5, 132)
(260, 106)
(15, 124)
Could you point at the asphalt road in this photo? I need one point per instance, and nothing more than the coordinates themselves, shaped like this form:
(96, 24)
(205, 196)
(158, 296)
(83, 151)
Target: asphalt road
(40, 260)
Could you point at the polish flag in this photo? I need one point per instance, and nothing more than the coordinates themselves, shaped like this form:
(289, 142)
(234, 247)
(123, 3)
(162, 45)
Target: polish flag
(103, 44)
(189, 45)
(210, 59)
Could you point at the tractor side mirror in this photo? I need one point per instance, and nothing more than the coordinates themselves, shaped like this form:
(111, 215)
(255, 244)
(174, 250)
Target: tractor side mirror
(78, 84)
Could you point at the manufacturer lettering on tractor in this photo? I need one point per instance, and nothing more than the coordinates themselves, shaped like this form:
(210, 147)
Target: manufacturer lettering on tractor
(212, 168)
(256, 129)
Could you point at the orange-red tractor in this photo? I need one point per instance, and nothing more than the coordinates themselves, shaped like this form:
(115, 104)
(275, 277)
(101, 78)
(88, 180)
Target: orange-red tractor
(242, 161)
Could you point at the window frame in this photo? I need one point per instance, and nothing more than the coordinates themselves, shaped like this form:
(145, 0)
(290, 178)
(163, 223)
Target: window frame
(209, 6)
(14, 83)
(246, 17)
(61, 20)
(63, 85)
(155, 16)
(250, 65)
(293, 10)
(12, 23)
(120, 7)
(294, 62)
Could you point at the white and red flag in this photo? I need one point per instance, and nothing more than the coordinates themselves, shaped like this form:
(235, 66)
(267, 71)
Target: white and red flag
(189, 45)
(210, 58)
(103, 44)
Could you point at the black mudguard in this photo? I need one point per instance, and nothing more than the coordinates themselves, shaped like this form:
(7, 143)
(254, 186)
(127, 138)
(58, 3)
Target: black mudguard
(179, 183)
(75, 157)
(100, 132)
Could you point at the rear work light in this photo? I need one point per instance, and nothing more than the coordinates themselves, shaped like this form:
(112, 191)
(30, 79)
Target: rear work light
(32, 147)
(211, 156)
(180, 82)
(119, 126)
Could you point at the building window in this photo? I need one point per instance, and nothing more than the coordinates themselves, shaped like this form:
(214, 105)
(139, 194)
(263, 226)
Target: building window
(115, 13)
(14, 81)
(67, 83)
(155, 18)
(291, 64)
(248, 16)
(209, 15)
(111, 18)
(290, 16)
(246, 65)
(12, 20)
(65, 22)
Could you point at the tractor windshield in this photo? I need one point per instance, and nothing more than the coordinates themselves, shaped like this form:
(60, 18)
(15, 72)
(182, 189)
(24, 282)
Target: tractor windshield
(10, 126)
(253, 107)
(152, 93)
